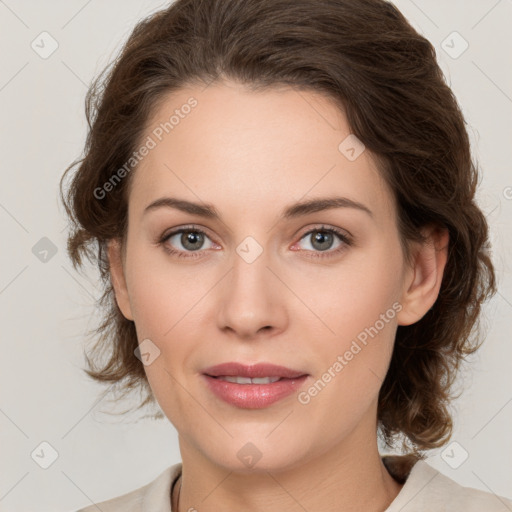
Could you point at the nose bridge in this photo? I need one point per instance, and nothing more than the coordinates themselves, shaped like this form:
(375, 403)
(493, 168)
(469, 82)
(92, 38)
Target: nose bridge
(250, 274)
(249, 300)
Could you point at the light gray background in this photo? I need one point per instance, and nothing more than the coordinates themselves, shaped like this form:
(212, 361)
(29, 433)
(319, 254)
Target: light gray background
(46, 307)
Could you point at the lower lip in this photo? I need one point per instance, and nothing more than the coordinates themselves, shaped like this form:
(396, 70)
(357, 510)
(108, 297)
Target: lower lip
(253, 396)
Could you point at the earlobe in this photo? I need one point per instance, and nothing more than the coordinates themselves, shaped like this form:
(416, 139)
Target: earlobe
(118, 278)
(423, 280)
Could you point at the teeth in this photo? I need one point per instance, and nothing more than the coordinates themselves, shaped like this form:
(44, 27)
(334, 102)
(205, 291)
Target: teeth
(247, 380)
(265, 380)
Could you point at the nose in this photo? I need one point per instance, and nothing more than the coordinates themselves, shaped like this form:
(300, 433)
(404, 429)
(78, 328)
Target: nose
(252, 299)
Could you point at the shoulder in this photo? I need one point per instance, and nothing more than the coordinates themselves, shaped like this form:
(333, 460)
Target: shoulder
(427, 489)
(458, 497)
(155, 495)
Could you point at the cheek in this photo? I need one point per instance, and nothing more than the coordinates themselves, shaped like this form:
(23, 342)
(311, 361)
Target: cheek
(356, 307)
(168, 304)
(354, 295)
(351, 363)
(161, 292)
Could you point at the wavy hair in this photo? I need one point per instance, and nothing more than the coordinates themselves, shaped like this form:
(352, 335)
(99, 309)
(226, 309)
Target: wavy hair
(384, 76)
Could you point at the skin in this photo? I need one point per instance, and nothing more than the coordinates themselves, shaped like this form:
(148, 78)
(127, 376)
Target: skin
(251, 154)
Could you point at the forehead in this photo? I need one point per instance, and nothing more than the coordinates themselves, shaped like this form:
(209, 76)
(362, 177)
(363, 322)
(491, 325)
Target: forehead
(253, 150)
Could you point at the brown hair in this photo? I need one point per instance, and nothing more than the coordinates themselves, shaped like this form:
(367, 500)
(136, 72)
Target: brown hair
(384, 75)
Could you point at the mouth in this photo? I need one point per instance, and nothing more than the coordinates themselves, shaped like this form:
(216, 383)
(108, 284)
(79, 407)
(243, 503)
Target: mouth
(252, 386)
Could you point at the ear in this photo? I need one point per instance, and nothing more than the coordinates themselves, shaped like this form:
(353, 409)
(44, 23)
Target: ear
(423, 279)
(118, 278)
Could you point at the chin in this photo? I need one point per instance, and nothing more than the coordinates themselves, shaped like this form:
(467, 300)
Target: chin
(258, 456)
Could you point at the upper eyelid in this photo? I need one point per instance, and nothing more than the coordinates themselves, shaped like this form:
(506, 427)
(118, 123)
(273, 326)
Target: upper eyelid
(176, 231)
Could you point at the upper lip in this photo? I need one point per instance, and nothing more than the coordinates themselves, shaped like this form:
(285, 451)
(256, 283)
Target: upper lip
(252, 371)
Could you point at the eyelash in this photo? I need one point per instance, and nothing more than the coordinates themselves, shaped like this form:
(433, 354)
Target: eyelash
(315, 254)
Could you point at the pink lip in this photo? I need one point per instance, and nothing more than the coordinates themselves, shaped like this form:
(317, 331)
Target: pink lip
(253, 396)
(252, 371)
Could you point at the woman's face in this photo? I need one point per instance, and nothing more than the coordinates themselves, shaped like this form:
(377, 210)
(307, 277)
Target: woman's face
(259, 286)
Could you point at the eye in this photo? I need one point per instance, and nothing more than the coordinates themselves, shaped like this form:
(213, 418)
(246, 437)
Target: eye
(192, 241)
(322, 239)
(190, 238)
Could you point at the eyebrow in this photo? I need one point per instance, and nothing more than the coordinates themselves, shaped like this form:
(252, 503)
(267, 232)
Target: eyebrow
(295, 210)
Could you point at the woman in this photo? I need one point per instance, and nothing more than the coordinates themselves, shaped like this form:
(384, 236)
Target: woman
(282, 194)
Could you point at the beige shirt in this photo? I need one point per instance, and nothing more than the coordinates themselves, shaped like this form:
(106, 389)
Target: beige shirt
(425, 490)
